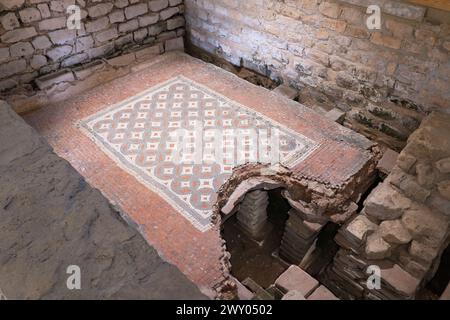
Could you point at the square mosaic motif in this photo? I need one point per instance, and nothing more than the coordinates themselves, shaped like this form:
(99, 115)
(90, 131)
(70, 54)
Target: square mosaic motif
(155, 134)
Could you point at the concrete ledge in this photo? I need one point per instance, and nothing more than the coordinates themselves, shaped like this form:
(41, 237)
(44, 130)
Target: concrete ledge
(50, 219)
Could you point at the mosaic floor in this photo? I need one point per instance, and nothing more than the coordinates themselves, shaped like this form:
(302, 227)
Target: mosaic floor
(108, 162)
(182, 140)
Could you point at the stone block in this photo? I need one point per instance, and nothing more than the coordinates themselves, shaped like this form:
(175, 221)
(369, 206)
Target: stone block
(140, 35)
(425, 175)
(13, 67)
(385, 40)
(100, 10)
(443, 165)
(75, 59)
(400, 280)
(124, 40)
(439, 203)
(158, 5)
(148, 19)
(8, 84)
(156, 29)
(4, 54)
(97, 25)
(106, 35)
(17, 35)
(386, 203)
(394, 232)
(44, 10)
(175, 23)
(84, 43)
(359, 228)
(59, 52)
(129, 26)
(9, 21)
(420, 221)
(38, 61)
(101, 51)
(11, 4)
(60, 5)
(64, 36)
(400, 29)
(168, 13)
(136, 10)
(422, 251)
(404, 10)
(29, 15)
(388, 161)
(410, 186)
(120, 3)
(377, 248)
(52, 79)
(41, 42)
(444, 189)
(329, 9)
(116, 16)
(295, 278)
(53, 24)
(21, 49)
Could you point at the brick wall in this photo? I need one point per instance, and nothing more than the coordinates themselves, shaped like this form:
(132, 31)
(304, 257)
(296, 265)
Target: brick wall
(384, 80)
(35, 40)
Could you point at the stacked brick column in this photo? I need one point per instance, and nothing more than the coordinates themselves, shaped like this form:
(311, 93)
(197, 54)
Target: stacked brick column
(299, 235)
(252, 215)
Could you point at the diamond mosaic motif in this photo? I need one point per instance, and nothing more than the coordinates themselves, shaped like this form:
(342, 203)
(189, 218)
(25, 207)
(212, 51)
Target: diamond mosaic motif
(155, 137)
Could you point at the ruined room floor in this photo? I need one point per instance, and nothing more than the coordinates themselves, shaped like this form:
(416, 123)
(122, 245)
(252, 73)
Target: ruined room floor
(336, 156)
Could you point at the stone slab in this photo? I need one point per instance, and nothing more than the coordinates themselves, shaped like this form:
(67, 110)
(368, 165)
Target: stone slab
(295, 278)
(51, 218)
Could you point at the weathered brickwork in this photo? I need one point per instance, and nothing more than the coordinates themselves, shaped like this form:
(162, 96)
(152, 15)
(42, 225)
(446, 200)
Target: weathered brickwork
(404, 226)
(385, 80)
(35, 39)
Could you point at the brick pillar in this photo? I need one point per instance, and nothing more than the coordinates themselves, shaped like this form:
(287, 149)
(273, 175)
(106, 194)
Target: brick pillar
(252, 214)
(299, 235)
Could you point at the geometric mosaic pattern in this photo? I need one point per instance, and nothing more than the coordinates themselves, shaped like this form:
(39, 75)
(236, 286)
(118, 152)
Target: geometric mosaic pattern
(182, 140)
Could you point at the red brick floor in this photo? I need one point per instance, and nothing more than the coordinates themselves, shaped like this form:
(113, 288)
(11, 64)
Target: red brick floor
(195, 253)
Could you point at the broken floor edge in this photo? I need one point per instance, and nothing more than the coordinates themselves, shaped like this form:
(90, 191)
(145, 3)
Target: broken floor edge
(279, 177)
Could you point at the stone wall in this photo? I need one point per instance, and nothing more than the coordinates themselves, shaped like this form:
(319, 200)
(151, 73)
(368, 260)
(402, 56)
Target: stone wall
(385, 80)
(405, 224)
(51, 218)
(35, 39)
